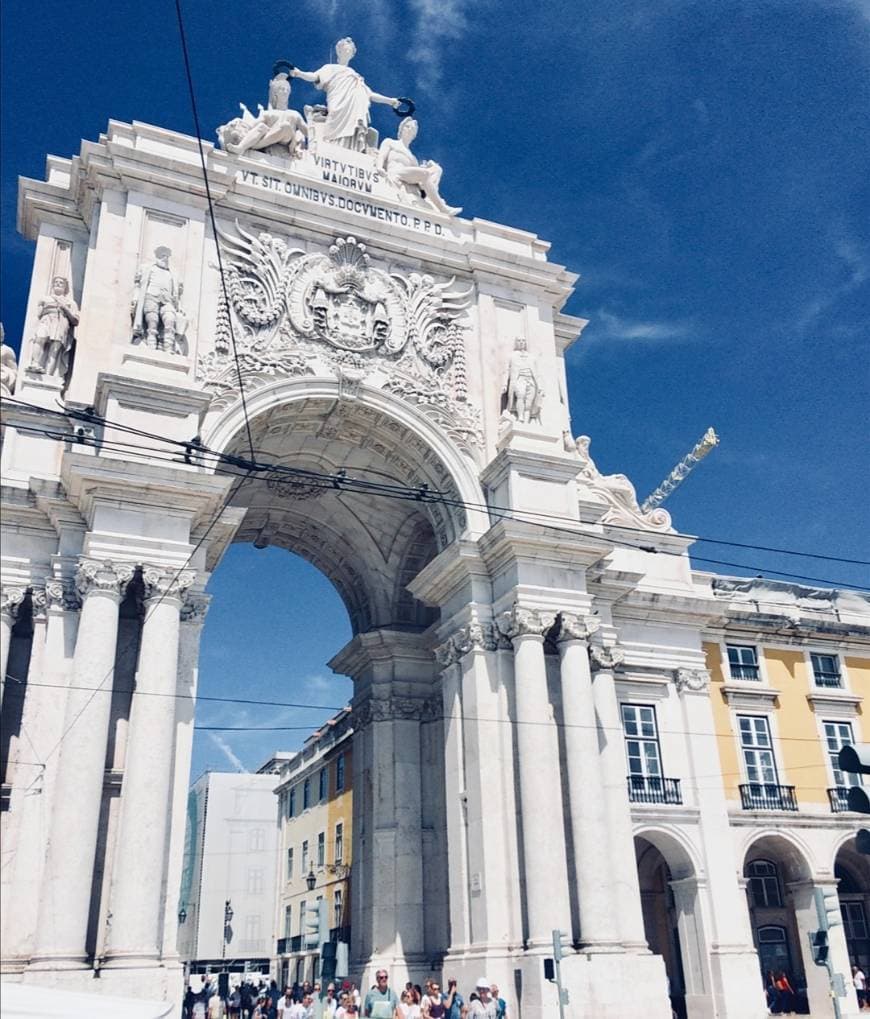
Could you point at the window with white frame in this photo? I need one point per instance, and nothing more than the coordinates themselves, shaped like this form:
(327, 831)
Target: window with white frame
(339, 843)
(826, 670)
(339, 773)
(743, 661)
(764, 884)
(304, 858)
(757, 749)
(302, 906)
(256, 840)
(838, 735)
(252, 927)
(337, 907)
(290, 864)
(642, 744)
(288, 921)
(321, 849)
(254, 884)
(306, 794)
(323, 780)
(291, 803)
(854, 920)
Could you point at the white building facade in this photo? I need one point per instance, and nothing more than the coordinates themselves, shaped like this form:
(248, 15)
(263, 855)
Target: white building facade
(231, 843)
(346, 369)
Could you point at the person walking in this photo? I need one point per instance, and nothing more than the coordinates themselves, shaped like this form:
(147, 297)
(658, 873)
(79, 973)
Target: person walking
(500, 1003)
(859, 982)
(433, 1005)
(483, 1007)
(454, 1003)
(408, 1007)
(380, 1001)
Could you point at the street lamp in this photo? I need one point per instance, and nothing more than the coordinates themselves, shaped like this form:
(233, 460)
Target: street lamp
(311, 880)
(182, 915)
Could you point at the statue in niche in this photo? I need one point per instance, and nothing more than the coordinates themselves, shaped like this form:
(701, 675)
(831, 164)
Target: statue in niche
(158, 321)
(407, 173)
(52, 344)
(277, 129)
(8, 366)
(523, 388)
(348, 99)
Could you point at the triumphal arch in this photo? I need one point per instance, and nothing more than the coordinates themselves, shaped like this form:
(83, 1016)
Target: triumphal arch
(339, 364)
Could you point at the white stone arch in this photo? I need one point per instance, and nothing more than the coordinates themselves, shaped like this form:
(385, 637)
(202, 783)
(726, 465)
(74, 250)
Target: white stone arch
(677, 849)
(786, 847)
(223, 427)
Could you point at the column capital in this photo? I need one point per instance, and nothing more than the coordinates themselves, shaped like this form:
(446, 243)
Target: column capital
(521, 621)
(61, 595)
(11, 597)
(102, 576)
(576, 627)
(691, 680)
(166, 583)
(194, 608)
(605, 659)
(475, 636)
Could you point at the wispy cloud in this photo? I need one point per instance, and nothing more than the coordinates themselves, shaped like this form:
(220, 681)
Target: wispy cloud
(437, 23)
(227, 751)
(855, 264)
(615, 327)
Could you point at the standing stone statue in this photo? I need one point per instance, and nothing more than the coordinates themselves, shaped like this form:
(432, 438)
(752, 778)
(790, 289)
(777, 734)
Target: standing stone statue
(8, 366)
(157, 317)
(523, 388)
(406, 172)
(348, 98)
(277, 128)
(52, 343)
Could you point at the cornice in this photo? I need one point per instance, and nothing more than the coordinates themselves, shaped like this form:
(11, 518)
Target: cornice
(749, 696)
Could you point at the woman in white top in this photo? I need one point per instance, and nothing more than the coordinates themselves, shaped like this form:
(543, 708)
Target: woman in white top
(407, 1007)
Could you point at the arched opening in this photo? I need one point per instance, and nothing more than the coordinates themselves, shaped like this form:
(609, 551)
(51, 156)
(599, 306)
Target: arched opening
(779, 893)
(852, 870)
(672, 920)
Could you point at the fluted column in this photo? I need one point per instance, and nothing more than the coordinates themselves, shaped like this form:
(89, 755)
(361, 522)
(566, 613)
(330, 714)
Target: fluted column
(55, 608)
(192, 619)
(586, 792)
(11, 598)
(623, 863)
(455, 795)
(543, 833)
(65, 895)
(139, 871)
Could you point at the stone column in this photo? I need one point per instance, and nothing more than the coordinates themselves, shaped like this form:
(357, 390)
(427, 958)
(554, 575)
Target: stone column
(455, 795)
(598, 909)
(192, 619)
(623, 863)
(733, 961)
(43, 721)
(139, 871)
(543, 832)
(65, 896)
(10, 601)
(693, 948)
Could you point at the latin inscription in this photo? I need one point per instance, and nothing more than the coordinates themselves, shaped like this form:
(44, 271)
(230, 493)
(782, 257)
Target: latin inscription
(335, 173)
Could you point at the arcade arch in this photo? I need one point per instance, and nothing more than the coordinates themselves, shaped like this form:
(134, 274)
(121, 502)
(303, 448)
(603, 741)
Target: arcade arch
(852, 871)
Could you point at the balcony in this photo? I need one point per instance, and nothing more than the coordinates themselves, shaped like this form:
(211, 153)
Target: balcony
(749, 672)
(830, 680)
(767, 796)
(647, 789)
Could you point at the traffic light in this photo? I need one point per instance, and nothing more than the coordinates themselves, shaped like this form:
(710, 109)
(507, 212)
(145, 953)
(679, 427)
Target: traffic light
(828, 908)
(560, 944)
(855, 759)
(315, 930)
(819, 947)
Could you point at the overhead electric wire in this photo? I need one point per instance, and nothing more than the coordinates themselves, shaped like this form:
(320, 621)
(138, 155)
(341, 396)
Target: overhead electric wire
(211, 214)
(346, 482)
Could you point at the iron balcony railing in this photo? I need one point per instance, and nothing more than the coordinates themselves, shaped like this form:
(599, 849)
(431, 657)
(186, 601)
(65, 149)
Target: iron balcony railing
(839, 797)
(650, 789)
(744, 671)
(767, 796)
(829, 679)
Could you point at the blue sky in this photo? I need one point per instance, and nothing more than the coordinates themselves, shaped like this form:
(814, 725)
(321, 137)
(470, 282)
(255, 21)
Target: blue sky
(705, 167)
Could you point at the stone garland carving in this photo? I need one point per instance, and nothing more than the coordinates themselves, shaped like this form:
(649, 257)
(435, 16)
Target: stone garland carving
(53, 341)
(103, 576)
(297, 313)
(8, 366)
(163, 583)
(474, 636)
(619, 493)
(605, 659)
(158, 321)
(390, 709)
(521, 621)
(694, 680)
(574, 627)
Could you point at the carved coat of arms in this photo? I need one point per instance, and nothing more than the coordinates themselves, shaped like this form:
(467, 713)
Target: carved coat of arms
(295, 311)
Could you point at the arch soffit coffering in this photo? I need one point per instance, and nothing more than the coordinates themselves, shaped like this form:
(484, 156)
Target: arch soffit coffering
(222, 431)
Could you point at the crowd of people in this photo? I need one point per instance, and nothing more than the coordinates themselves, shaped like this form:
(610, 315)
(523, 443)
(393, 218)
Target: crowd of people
(247, 1000)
